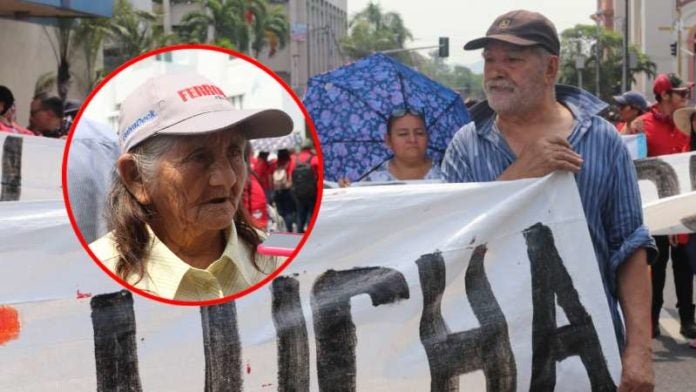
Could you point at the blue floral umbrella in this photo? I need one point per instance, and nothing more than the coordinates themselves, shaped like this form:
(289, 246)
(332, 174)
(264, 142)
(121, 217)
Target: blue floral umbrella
(350, 107)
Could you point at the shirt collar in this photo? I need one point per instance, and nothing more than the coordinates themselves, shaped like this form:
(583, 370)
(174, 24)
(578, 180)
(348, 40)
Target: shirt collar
(165, 270)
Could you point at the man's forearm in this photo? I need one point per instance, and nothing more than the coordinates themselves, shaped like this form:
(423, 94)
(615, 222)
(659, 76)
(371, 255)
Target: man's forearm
(635, 297)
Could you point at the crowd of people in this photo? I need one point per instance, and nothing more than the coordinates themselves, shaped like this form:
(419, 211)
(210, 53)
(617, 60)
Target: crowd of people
(667, 125)
(49, 115)
(286, 185)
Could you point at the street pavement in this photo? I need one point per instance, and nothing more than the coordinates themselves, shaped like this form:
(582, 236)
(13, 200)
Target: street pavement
(674, 362)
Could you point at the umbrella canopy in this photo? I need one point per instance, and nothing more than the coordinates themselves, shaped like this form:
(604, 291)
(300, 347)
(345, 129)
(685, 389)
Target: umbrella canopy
(277, 143)
(350, 107)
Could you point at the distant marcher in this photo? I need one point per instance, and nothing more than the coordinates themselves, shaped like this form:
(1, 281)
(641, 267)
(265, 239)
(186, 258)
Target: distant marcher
(263, 167)
(47, 119)
(663, 138)
(407, 138)
(8, 114)
(304, 183)
(34, 107)
(631, 105)
(283, 197)
(254, 197)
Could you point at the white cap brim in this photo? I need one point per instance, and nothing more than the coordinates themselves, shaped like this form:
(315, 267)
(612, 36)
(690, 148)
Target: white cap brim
(253, 123)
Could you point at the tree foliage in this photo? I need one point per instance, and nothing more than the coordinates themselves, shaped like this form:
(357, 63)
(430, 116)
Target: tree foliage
(250, 26)
(372, 30)
(580, 41)
(457, 77)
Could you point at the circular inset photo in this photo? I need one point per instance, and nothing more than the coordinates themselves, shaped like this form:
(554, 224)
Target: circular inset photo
(191, 175)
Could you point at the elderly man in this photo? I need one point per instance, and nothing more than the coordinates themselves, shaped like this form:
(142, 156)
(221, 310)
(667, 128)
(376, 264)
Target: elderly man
(529, 128)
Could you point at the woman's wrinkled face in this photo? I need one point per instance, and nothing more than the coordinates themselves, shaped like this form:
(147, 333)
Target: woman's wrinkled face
(408, 137)
(198, 183)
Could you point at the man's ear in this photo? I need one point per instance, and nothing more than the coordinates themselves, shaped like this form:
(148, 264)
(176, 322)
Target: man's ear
(552, 69)
(132, 179)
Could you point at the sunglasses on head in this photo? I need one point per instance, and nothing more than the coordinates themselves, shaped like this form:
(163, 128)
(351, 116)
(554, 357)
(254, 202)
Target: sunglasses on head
(400, 112)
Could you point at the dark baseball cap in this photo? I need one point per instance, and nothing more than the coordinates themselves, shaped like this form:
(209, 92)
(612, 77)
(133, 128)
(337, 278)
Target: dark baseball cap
(665, 83)
(523, 28)
(632, 98)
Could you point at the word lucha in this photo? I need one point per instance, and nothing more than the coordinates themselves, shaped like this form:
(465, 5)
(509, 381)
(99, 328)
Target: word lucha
(449, 353)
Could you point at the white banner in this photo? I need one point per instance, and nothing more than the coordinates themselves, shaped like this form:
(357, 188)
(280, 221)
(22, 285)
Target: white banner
(399, 288)
(30, 167)
(668, 191)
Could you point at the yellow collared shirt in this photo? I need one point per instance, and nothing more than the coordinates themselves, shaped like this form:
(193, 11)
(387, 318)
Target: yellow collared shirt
(167, 276)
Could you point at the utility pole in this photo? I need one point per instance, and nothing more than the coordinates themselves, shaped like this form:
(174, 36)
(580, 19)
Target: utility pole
(598, 51)
(625, 68)
(679, 33)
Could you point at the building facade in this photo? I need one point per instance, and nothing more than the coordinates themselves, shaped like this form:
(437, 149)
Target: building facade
(316, 26)
(654, 26)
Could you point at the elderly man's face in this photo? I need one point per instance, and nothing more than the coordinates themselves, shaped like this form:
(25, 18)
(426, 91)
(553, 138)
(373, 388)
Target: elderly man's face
(199, 183)
(514, 77)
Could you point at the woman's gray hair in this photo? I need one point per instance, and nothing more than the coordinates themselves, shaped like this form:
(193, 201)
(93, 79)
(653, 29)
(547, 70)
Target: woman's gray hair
(128, 220)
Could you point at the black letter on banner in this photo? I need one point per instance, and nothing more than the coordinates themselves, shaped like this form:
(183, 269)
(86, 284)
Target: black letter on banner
(690, 221)
(550, 343)
(11, 168)
(451, 354)
(293, 345)
(333, 323)
(115, 350)
(692, 171)
(222, 349)
(660, 173)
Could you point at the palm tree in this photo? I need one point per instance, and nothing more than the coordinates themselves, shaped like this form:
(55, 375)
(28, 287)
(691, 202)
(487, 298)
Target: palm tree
(245, 25)
(131, 30)
(226, 20)
(61, 49)
(89, 36)
(372, 30)
(270, 29)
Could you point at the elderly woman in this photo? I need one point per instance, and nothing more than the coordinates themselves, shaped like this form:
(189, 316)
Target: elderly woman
(178, 227)
(407, 137)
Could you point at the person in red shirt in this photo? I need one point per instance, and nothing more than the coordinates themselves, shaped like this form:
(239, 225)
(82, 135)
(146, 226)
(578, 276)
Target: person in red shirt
(663, 138)
(631, 105)
(8, 115)
(254, 197)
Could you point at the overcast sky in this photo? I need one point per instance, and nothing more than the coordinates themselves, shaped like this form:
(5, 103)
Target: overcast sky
(466, 20)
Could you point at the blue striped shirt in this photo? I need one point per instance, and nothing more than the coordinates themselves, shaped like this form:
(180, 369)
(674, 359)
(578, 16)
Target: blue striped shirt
(607, 181)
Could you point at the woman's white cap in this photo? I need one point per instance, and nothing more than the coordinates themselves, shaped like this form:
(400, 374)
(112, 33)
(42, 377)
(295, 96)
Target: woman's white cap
(189, 104)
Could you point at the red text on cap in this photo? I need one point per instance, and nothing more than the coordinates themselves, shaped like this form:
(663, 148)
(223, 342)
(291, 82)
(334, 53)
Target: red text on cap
(202, 90)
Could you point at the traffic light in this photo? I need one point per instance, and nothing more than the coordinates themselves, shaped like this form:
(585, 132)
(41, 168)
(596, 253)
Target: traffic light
(443, 50)
(673, 48)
